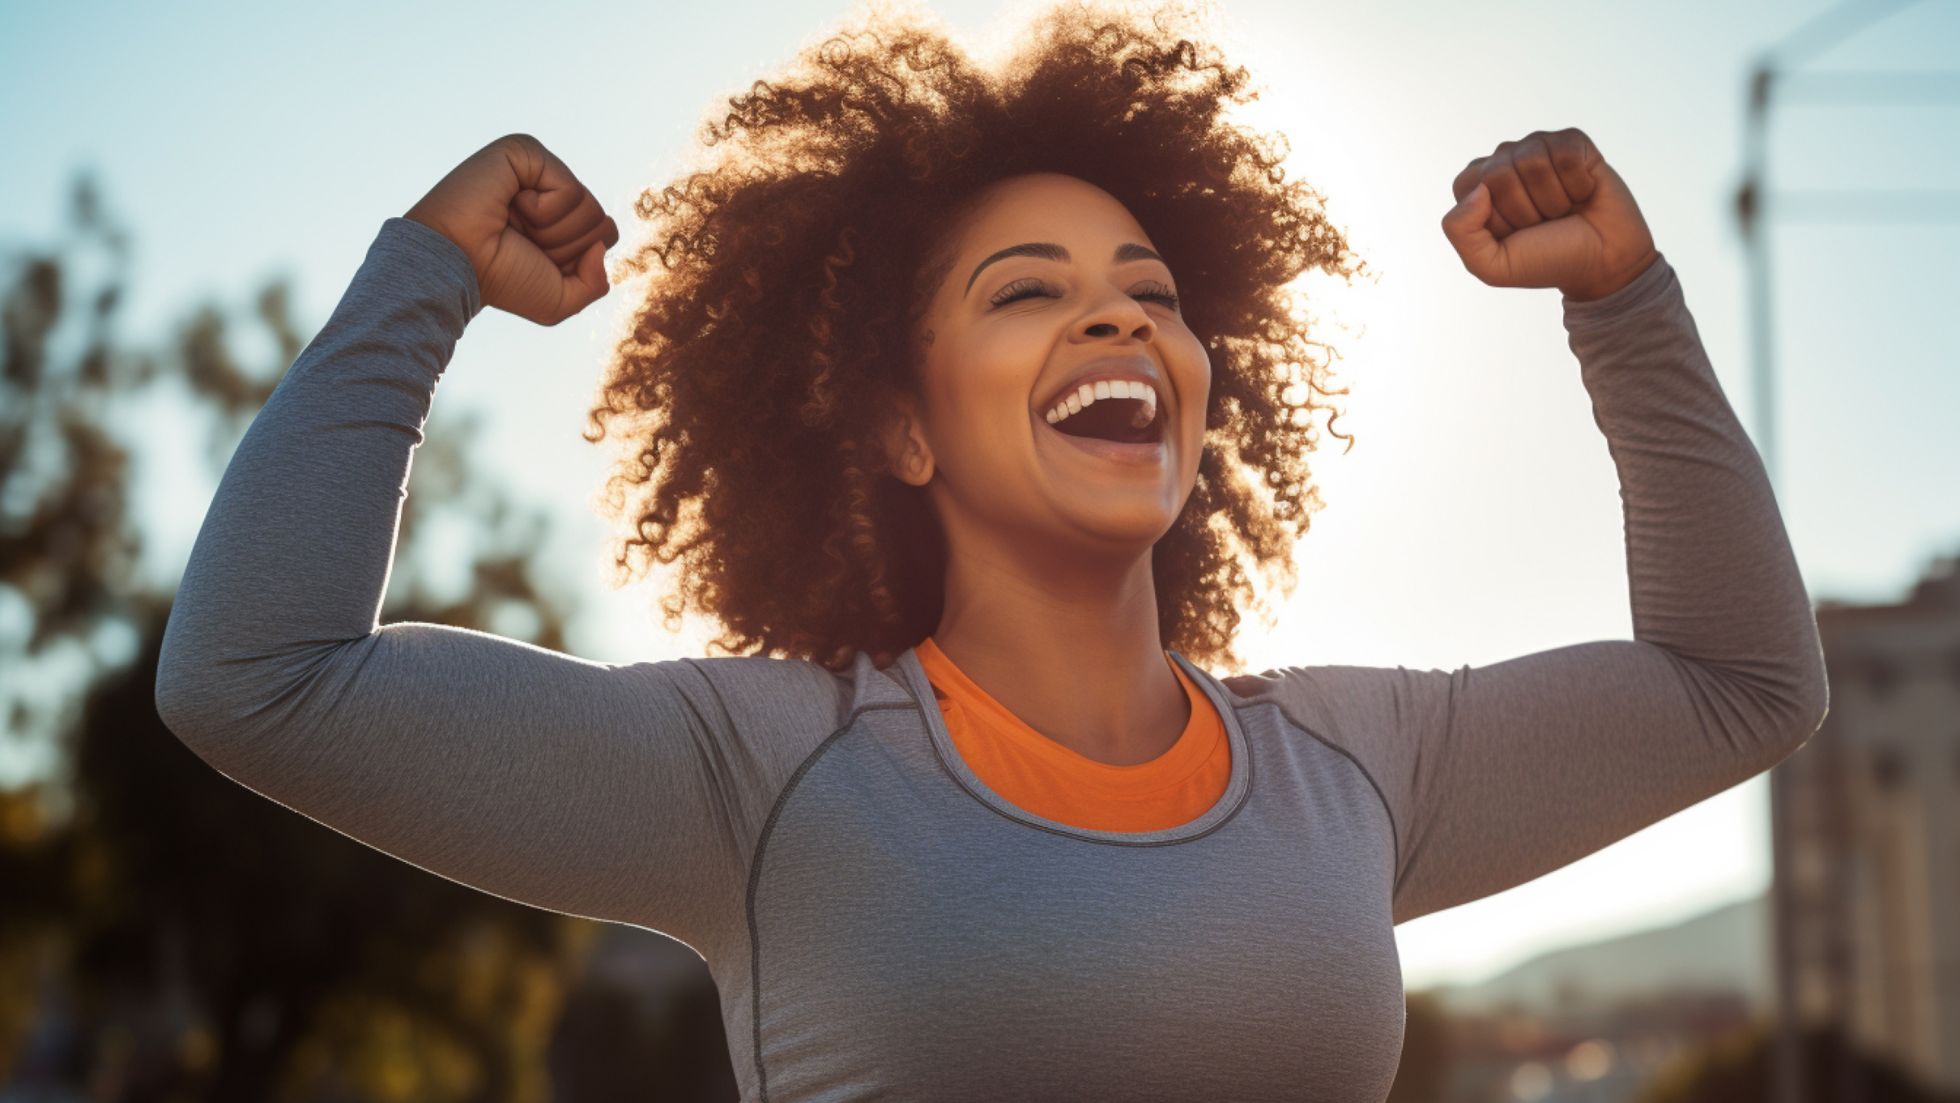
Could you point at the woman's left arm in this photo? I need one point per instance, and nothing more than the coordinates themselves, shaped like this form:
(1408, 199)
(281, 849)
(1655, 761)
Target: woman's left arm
(1538, 761)
(1716, 592)
(1494, 775)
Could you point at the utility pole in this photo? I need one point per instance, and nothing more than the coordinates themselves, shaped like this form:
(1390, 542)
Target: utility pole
(1777, 80)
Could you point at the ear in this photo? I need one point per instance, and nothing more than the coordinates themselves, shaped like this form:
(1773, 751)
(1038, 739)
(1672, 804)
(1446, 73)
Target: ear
(906, 450)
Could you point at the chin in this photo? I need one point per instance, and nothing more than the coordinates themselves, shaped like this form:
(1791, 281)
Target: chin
(1120, 528)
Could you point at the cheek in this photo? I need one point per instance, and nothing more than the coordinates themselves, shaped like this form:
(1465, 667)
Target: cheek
(1191, 368)
(991, 375)
(980, 413)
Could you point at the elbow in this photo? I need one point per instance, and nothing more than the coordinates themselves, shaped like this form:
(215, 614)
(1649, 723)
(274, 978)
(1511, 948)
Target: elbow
(180, 704)
(187, 696)
(205, 718)
(1773, 712)
(1812, 707)
(1798, 719)
(171, 693)
(1809, 700)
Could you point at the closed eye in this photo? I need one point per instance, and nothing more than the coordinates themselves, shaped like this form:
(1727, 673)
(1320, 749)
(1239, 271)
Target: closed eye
(1030, 287)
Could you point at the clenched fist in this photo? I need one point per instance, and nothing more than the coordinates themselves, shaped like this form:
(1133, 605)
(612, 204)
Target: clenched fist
(1548, 211)
(535, 236)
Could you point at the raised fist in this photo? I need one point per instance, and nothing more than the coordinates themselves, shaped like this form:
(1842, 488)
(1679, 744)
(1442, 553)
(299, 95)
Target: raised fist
(534, 234)
(1548, 211)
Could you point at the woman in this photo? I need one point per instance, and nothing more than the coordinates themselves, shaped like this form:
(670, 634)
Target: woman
(973, 820)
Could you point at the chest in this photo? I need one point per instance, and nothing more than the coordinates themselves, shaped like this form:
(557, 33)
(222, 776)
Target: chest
(910, 941)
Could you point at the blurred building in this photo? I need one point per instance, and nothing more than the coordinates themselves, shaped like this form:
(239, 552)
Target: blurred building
(1867, 835)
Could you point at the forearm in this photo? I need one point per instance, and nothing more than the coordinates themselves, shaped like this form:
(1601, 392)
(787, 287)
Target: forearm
(1712, 576)
(295, 550)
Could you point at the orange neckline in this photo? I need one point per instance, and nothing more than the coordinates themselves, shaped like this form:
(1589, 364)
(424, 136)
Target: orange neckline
(1184, 758)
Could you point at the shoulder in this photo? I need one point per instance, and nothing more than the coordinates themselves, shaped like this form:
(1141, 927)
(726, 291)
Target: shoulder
(760, 695)
(1390, 720)
(1348, 705)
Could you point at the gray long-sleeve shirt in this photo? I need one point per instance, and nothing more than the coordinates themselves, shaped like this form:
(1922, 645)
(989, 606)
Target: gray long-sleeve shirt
(882, 924)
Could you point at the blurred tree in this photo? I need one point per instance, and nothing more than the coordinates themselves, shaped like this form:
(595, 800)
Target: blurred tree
(168, 934)
(1736, 1070)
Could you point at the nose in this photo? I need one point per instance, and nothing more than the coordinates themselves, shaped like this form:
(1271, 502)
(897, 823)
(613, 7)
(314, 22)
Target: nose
(1116, 313)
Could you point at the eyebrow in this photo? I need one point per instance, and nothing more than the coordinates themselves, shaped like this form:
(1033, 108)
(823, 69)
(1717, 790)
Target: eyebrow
(1048, 250)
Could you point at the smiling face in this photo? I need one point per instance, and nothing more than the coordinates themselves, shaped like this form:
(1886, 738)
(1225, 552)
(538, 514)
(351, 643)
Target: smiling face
(1051, 279)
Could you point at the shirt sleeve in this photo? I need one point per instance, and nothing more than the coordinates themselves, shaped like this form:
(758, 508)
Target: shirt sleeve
(618, 792)
(1495, 775)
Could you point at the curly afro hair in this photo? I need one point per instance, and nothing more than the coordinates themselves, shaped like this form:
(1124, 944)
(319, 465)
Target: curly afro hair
(758, 372)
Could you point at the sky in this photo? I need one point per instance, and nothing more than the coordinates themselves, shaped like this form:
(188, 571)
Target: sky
(1476, 517)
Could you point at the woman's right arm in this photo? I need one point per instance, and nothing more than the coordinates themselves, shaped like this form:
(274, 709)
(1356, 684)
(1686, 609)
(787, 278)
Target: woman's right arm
(587, 788)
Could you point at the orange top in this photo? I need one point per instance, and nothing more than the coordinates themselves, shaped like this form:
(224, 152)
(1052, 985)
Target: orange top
(1035, 773)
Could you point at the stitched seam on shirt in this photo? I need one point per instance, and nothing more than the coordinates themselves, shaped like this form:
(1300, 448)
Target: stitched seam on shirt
(1395, 831)
(728, 720)
(755, 877)
(1441, 768)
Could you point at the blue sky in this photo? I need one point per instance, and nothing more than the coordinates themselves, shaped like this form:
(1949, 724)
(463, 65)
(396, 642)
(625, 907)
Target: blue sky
(1476, 518)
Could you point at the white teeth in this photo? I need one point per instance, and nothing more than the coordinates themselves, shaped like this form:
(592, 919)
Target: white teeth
(1088, 393)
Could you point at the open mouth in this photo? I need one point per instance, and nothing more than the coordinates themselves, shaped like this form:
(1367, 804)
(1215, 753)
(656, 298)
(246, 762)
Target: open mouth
(1117, 420)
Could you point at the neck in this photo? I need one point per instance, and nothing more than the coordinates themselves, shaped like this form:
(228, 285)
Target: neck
(1073, 651)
